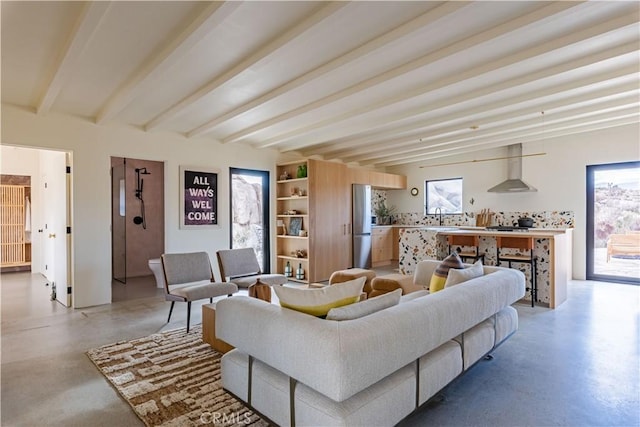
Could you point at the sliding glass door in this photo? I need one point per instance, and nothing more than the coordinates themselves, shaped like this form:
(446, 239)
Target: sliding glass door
(613, 222)
(250, 212)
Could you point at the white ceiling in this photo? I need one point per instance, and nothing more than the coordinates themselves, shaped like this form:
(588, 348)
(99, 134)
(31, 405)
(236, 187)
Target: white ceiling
(372, 83)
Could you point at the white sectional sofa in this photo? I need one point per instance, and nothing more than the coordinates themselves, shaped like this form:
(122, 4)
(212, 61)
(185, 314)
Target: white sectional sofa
(296, 369)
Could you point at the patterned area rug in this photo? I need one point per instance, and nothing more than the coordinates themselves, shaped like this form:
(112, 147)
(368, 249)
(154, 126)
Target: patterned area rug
(172, 379)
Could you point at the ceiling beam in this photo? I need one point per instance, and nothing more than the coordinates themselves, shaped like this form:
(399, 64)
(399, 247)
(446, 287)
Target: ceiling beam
(364, 49)
(366, 144)
(532, 132)
(530, 121)
(170, 55)
(603, 98)
(573, 130)
(415, 142)
(79, 38)
(269, 48)
(558, 43)
(546, 73)
(450, 49)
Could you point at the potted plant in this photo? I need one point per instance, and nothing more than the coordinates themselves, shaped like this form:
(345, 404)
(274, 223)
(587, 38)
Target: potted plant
(384, 213)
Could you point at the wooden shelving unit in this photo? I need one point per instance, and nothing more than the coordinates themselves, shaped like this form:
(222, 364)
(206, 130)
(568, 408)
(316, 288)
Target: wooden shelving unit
(292, 195)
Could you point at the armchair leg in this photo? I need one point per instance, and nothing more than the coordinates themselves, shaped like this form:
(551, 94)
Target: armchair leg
(170, 310)
(188, 314)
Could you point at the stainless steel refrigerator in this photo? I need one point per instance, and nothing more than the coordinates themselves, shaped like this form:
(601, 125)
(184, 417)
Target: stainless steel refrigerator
(361, 226)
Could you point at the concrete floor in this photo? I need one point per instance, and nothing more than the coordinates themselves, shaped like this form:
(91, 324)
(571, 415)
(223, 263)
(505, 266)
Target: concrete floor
(577, 365)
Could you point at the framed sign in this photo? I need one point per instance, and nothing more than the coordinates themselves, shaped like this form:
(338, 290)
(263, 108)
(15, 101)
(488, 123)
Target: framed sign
(198, 197)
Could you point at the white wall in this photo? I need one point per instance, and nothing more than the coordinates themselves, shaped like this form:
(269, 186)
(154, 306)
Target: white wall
(92, 147)
(559, 176)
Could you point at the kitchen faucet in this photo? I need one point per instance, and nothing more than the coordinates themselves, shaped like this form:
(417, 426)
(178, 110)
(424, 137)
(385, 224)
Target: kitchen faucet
(438, 211)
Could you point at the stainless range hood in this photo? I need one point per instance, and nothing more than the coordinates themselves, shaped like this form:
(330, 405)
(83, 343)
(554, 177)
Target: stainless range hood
(514, 183)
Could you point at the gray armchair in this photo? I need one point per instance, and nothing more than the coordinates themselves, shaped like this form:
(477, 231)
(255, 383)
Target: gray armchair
(189, 277)
(240, 266)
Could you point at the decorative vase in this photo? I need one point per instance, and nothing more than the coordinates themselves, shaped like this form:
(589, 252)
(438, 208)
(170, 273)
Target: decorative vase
(302, 171)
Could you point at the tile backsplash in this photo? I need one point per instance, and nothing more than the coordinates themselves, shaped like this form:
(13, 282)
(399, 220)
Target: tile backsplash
(541, 219)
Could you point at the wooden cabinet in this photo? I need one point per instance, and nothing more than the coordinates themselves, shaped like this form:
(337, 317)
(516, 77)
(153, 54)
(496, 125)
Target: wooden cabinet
(359, 175)
(321, 204)
(393, 181)
(381, 180)
(381, 246)
(330, 218)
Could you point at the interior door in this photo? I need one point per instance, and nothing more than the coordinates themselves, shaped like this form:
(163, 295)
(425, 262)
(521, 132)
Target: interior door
(249, 216)
(56, 187)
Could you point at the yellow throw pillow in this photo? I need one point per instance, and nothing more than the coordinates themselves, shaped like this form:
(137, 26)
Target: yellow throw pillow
(318, 302)
(439, 277)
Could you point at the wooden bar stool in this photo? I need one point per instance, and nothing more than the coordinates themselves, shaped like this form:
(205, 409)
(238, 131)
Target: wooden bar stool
(524, 244)
(466, 242)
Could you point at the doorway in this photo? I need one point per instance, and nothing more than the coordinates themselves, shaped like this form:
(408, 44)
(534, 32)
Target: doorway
(249, 194)
(613, 222)
(137, 225)
(47, 222)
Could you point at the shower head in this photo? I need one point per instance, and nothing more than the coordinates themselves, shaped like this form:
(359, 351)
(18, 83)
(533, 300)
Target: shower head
(143, 171)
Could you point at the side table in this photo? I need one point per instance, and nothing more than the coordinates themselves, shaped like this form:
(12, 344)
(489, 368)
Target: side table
(209, 329)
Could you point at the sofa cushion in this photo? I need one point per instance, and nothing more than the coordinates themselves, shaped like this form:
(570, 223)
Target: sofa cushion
(440, 274)
(456, 276)
(413, 295)
(424, 271)
(318, 302)
(366, 307)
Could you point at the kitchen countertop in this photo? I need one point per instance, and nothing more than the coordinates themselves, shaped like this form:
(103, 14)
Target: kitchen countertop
(398, 226)
(481, 231)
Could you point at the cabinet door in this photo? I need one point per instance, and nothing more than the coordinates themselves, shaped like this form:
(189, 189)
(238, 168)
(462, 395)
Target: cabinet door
(329, 219)
(395, 244)
(382, 250)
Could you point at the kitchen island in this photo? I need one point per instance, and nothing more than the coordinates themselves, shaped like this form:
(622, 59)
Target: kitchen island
(553, 249)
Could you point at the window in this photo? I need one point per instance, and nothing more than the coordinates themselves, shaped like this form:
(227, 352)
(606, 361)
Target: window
(249, 214)
(445, 194)
(613, 222)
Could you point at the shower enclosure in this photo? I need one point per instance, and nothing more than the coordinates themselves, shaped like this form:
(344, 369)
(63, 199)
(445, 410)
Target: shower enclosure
(137, 216)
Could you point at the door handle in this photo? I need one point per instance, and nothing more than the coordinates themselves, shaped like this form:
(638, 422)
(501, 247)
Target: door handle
(52, 236)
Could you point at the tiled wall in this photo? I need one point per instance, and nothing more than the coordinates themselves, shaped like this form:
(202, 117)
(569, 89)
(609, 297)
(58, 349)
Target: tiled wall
(541, 219)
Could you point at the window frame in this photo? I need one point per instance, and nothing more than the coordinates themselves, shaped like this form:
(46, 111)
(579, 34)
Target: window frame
(427, 194)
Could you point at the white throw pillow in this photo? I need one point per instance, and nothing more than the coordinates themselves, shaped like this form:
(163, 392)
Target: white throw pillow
(457, 276)
(318, 302)
(366, 307)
